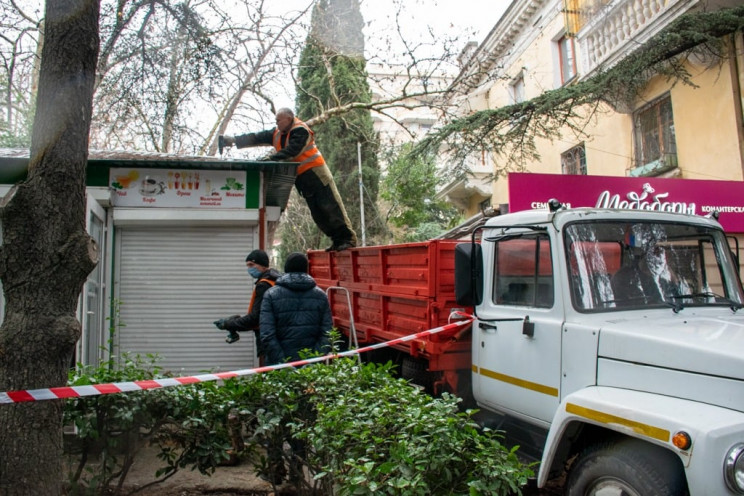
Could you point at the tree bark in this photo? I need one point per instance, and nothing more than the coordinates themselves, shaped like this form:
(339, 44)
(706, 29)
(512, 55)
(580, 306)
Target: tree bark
(46, 254)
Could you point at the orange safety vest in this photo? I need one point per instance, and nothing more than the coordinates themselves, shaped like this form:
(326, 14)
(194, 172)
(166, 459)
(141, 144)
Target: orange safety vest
(253, 296)
(310, 156)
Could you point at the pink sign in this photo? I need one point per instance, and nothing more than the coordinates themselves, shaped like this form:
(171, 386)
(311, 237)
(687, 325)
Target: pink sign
(692, 196)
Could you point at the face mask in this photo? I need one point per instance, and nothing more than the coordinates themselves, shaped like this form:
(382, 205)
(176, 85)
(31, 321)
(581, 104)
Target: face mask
(254, 272)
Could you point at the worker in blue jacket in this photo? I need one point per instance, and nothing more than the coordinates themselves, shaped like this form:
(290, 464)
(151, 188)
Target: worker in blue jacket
(295, 315)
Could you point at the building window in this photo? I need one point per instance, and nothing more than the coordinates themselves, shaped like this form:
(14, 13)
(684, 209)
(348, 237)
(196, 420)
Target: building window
(573, 161)
(567, 57)
(654, 133)
(516, 89)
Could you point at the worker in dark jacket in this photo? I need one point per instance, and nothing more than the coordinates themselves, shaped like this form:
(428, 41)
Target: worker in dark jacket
(257, 264)
(295, 315)
(294, 141)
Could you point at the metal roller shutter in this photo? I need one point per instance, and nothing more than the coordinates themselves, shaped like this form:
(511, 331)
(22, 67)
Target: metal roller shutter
(173, 282)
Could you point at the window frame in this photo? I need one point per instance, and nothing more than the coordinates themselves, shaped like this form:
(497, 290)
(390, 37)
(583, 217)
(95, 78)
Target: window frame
(534, 290)
(645, 140)
(577, 166)
(517, 88)
(566, 58)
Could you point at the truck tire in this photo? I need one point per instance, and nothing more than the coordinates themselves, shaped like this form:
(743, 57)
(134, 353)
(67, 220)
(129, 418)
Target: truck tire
(414, 371)
(626, 467)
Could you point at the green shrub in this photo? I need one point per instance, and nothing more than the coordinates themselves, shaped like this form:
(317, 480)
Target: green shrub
(365, 432)
(339, 428)
(111, 428)
(188, 423)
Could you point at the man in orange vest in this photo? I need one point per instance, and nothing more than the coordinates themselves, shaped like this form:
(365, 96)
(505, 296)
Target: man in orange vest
(257, 263)
(294, 141)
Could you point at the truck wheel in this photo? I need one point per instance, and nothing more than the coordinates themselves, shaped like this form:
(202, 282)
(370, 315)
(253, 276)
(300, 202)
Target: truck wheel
(628, 467)
(415, 371)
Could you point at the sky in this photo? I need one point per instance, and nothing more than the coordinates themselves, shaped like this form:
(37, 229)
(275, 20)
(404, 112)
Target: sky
(478, 15)
(470, 20)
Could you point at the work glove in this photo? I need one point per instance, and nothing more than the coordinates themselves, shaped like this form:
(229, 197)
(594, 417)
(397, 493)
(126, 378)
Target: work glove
(220, 323)
(266, 158)
(228, 140)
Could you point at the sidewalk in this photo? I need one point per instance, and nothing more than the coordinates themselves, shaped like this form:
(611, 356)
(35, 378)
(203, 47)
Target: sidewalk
(239, 480)
(225, 481)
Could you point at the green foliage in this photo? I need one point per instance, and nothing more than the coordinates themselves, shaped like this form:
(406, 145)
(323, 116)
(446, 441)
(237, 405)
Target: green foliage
(200, 433)
(338, 428)
(111, 428)
(361, 431)
(410, 188)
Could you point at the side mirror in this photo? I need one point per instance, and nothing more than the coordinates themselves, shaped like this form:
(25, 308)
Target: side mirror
(468, 274)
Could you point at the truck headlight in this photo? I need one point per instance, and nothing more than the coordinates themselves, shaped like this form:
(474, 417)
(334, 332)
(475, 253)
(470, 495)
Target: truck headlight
(733, 469)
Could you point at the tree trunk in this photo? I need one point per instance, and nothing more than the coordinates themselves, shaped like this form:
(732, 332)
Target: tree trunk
(46, 254)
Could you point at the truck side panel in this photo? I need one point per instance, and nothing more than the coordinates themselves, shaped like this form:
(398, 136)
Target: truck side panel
(396, 290)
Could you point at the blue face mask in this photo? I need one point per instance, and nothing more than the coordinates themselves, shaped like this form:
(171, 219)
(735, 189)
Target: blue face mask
(254, 272)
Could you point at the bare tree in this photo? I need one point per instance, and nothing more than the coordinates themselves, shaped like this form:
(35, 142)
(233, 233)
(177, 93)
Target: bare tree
(46, 254)
(172, 75)
(19, 40)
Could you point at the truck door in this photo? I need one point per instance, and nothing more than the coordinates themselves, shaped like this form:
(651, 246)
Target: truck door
(517, 337)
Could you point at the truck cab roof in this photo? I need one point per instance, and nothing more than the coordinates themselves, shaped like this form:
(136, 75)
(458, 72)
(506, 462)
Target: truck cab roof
(566, 215)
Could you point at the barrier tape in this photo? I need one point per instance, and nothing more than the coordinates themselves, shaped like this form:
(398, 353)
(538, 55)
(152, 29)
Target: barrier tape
(124, 387)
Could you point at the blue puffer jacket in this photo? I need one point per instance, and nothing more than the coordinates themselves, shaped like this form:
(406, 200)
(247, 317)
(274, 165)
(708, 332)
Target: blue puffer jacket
(295, 315)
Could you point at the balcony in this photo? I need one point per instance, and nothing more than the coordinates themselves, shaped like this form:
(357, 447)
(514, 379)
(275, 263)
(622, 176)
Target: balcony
(621, 26)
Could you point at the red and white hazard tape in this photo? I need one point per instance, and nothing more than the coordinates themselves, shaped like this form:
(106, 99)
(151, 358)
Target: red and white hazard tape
(123, 387)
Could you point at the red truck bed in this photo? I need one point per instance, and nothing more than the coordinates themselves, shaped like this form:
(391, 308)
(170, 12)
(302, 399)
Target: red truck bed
(397, 290)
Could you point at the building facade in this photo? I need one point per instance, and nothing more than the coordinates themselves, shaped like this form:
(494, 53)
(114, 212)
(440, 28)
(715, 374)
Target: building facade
(691, 132)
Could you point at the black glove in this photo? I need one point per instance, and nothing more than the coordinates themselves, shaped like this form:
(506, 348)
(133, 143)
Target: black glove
(228, 140)
(221, 323)
(266, 158)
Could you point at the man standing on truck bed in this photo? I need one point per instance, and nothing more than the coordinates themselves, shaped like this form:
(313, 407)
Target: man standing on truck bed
(294, 141)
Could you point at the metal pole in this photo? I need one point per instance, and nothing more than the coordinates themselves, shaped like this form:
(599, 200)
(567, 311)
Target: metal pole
(361, 194)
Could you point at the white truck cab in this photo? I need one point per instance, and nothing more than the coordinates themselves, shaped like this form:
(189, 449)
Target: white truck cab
(615, 338)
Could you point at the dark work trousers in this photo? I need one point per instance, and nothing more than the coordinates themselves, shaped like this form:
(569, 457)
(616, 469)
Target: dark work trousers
(317, 187)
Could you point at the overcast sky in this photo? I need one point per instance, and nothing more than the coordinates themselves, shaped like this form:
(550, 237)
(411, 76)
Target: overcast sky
(478, 15)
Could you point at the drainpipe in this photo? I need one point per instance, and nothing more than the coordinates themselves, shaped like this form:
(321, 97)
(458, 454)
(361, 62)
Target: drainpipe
(262, 228)
(736, 46)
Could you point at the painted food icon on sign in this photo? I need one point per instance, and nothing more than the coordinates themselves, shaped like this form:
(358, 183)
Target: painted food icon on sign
(151, 187)
(125, 181)
(232, 184)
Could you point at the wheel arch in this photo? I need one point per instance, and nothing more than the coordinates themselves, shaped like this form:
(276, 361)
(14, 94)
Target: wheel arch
(579, 435)
(597, 413)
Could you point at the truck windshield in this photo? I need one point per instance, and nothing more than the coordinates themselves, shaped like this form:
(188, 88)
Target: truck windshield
(623, 266)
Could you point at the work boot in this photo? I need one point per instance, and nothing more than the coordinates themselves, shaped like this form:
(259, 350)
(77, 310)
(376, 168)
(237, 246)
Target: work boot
(341, 246)
(345, 245)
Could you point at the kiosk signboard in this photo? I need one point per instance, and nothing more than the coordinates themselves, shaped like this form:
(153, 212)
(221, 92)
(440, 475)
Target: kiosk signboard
(134, 187)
